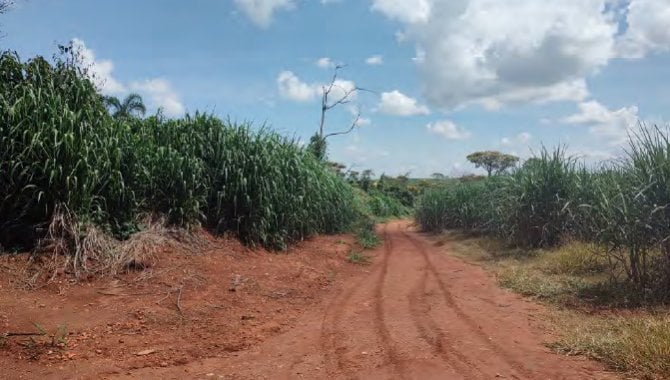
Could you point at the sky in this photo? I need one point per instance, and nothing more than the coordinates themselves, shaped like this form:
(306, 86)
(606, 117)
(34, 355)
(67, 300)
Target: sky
(442, 78)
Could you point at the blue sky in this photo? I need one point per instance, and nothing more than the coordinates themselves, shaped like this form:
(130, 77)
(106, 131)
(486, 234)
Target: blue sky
(448, 77)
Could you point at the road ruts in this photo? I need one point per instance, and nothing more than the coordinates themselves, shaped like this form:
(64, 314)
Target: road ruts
(415, 313)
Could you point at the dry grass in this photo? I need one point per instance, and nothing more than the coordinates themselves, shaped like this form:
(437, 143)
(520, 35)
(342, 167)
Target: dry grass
(83, 249)
(639, 343)
(593, 315)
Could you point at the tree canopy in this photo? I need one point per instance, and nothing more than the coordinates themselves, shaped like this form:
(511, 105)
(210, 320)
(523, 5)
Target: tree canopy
(131, 106)
(493, 161)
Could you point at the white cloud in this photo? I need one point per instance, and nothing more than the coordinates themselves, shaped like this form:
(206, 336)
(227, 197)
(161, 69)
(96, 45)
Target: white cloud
(293, 88)
(648, 29)
(363, 121)
(260, 12)
(479, 52)
(340, 88)
(448, 129)
(493, 53)
(157, 91)
(363, 155)
(375, 60)
(591, 155)
(522, 139)
(99, 70)
(612, 125)
(416, 11)
(161, 95)
(398, 104)
(325, 63)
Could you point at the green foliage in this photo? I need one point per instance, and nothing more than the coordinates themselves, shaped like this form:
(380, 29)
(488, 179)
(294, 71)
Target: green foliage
(493, 162)
(63, 151)
(59, 146)
(356, 257)
(535, 207)
(131, 106)
(622, 206)
(385, 206)
(318, 146)
(367, 237)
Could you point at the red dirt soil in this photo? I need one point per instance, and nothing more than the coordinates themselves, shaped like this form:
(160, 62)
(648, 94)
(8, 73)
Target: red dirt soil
(414, 313)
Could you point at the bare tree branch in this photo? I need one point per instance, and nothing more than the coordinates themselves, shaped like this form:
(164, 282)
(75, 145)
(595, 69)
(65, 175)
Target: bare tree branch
(346, 98)
(353, 125)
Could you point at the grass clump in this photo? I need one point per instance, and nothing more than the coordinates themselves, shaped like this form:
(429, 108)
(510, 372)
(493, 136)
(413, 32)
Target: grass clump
(367, 238)
(639, 344)
(359, 258)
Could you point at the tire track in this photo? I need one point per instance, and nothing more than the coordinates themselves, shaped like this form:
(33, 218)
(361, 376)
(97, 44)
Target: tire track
(431, 333)
(331, 326)
(331, 329)
(380, 324)
(449, 299)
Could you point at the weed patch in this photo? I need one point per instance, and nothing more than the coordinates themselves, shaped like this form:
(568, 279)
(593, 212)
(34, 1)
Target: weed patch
(639, 343)
(359, 258)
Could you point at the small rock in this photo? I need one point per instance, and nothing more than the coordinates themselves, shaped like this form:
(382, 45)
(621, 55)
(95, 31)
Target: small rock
(164, 364)
(145, 352)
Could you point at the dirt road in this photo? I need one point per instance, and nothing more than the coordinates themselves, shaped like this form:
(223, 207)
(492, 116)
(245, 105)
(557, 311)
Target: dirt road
(417, 314)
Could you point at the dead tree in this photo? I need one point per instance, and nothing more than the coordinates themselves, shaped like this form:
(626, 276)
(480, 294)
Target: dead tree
(318, 141)
(327, 104)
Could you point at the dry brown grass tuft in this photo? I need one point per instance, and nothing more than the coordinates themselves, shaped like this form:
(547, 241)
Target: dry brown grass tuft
(83, 249)
(639, 344)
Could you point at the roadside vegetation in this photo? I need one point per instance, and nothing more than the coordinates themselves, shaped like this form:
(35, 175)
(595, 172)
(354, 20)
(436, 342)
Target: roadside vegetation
(80, 172)
(591, 240)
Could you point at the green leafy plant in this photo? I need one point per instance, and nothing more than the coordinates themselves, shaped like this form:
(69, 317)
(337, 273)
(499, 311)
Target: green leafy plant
(356, 257)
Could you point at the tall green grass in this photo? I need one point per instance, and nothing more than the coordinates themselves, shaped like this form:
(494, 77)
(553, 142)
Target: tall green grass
(63, 154)
(624, 206)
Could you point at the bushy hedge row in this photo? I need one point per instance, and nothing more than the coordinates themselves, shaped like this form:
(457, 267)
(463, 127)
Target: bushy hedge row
(623, 206)
(60, 149)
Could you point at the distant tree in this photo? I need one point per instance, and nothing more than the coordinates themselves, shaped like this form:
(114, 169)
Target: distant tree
(492, 161)
(365, 182)
(438, 176)
(131, 106)
(404, 178)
